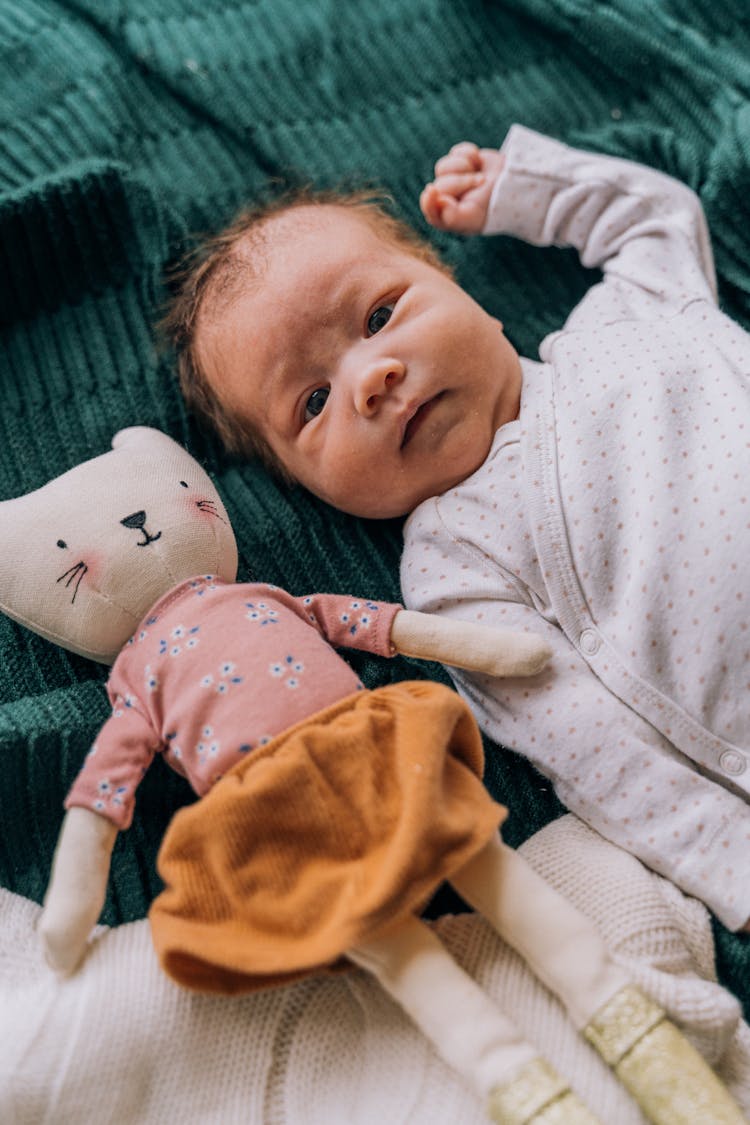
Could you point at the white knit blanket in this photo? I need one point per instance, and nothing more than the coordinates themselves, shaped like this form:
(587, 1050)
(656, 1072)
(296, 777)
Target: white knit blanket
(119, 1043)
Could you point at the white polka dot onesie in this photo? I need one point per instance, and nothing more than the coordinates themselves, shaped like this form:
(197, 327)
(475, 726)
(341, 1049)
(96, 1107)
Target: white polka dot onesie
(613, 518)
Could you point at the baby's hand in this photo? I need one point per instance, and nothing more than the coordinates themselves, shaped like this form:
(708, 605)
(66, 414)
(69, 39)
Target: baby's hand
(458, 197)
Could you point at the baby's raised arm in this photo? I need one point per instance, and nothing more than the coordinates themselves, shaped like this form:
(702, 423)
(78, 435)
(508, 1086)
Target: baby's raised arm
(644, 229)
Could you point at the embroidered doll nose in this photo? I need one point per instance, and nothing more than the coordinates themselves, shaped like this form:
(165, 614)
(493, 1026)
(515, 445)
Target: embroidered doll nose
(137, 521)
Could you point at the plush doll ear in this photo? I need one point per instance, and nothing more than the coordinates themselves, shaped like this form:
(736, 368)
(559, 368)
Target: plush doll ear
(87, 555)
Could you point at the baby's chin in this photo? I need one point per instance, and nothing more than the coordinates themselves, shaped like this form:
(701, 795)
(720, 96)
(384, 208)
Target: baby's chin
(384, 503)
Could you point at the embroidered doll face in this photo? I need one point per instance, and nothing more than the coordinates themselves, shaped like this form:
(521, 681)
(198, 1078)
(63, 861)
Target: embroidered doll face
(375, 379)
(87, 554)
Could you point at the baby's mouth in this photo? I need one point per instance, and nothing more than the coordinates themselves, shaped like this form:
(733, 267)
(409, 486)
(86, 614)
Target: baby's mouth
(419, 417)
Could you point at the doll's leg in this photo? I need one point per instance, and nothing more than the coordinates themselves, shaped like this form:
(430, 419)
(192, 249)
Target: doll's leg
(670, 1080)
(467, 1029)
(558, 942)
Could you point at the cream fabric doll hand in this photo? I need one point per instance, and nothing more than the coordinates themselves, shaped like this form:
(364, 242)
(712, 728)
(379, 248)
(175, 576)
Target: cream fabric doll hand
(76, 891)
(458, 197)
(464, 644)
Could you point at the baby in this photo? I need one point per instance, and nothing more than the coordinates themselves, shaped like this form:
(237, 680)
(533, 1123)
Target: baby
(598, 497)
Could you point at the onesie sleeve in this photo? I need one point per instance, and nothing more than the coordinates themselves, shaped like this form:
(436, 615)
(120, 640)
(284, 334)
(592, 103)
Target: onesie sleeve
(115, 764)
(644, 229)
(607, 764)
(348, 622)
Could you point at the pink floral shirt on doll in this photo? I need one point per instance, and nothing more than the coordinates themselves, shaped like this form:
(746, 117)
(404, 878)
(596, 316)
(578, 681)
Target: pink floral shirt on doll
(215, 670)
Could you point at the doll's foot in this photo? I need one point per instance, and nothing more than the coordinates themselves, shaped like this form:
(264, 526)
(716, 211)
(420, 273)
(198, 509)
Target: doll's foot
(670, 1080)
(537, 1095)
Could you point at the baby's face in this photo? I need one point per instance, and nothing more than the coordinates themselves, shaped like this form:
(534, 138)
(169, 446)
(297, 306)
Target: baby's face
(376, 380)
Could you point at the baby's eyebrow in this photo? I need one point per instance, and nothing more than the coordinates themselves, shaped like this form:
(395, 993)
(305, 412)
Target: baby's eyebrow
(343, 295)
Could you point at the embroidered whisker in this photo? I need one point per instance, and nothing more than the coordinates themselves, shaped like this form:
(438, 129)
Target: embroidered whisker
(74, 576)
(210, 507)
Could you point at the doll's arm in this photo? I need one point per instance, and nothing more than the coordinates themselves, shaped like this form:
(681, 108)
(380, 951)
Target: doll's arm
(77, 887)
(464, 644)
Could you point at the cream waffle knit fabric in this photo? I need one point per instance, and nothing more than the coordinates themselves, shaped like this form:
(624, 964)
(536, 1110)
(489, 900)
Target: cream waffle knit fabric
(119, 1043)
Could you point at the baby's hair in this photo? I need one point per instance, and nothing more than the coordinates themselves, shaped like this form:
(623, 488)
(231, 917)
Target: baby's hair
(223, 265)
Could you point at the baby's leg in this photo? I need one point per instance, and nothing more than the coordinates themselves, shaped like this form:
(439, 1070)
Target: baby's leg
(467, 1029)
(671, 1082)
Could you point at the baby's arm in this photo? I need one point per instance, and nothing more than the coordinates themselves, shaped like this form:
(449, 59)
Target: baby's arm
(646, 230)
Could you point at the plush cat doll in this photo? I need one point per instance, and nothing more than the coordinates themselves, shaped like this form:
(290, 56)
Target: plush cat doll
(328, 814)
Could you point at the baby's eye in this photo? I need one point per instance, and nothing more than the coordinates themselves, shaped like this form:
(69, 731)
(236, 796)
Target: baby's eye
(379, 318)
(316, 402)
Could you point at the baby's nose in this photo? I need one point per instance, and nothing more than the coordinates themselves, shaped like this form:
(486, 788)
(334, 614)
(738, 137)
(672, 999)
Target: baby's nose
(375, 382)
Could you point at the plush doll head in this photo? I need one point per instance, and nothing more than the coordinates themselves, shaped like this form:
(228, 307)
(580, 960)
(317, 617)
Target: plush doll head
(86, 555)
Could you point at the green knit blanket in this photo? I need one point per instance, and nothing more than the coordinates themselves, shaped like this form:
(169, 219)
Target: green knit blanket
(128, 126)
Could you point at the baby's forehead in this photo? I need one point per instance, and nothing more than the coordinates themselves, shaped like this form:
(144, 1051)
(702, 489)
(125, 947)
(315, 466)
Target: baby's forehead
(304, 218)
(312, 243)
(302, 224)
(300, 254)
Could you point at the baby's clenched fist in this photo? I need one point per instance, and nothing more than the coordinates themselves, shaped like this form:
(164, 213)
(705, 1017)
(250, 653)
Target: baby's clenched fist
(458, 197)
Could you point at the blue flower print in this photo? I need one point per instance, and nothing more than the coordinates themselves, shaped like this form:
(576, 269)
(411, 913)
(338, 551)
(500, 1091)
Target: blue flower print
(142, 634)
(225, 680)
(262, 613)
(203, 585)
(281, 669)
(207, 747)
(152, 680)
(108, 795)
(179, 636)
(363, 619)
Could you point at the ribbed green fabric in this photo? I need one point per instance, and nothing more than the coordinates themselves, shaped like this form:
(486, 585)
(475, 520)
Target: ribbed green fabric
(126, 126)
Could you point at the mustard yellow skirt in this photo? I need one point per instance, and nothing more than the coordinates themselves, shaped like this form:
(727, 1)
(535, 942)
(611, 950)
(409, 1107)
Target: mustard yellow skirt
(334, 829)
